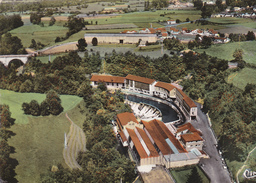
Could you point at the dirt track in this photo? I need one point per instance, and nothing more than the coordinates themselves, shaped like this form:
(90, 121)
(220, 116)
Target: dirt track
(75, 143)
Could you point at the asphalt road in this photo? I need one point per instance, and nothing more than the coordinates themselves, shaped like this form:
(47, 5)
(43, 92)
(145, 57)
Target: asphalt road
(213, 166)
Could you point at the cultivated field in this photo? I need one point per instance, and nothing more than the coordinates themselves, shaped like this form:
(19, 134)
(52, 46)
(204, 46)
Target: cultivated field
(242, 77)
(225, 51)
(15, 100)
(46, 35)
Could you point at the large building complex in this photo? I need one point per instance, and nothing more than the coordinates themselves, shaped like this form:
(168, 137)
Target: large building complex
(121, 38)
(149, 87)
(152, 143)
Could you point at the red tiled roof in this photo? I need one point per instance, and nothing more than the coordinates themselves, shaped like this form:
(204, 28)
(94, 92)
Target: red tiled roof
(140, 79)
(172, 138)
(121, 133)
(174, 29)
(152, 30)
(190, 137)
(188, 100)
(107, 78)
(150, 146)
(184, 28)
(161, 29)
(124, 118)
(199, 31)
(166, 86)
(159, 132)
(137, 144)
(164, 34)
(187, 126)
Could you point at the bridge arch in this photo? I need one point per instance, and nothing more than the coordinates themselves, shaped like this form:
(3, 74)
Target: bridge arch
(17, 63)
(6, 59)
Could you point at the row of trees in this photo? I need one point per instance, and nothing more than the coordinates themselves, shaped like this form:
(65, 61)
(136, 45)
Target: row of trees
(6, 163)
(66, 74)
(51, 105)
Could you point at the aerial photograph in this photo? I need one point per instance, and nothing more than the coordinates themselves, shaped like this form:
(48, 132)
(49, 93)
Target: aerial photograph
(127, 91)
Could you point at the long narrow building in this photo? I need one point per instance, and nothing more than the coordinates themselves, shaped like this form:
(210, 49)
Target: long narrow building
(149, 87)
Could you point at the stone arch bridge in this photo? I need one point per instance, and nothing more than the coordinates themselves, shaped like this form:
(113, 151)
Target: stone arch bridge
(6, 59)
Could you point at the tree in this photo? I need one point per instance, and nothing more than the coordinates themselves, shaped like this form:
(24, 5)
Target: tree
(219, 5)
(94, 41)
(102, 86)
(35, 18)
(194, 177)
(198, 4)
(45, 108)
(250, 89)
(238, 55)
(54, 102)
(52, 21)
(177, 21)
(250, 36)
(34, 108)
(187, 19)
(11, 45)
(5, 117)
(26, 108)
(206, 41)
(207, 11)
(33, 44)
(57, 39)
(158, 4)
(81, 44)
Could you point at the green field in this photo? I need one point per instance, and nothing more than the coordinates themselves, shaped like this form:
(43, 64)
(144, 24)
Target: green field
(45, 59)
(181, 176)
(231, 20)
(242, 77)
(39, 144)
(192, 26)
(15, 100)
(45, 35)
(143, 19)
(225, 51)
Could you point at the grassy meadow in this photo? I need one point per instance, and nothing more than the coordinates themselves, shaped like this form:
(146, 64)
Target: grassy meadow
(182, 175)
(15, 100)
(39, 144)
(225, 51)
(38, 141)
(242, 77)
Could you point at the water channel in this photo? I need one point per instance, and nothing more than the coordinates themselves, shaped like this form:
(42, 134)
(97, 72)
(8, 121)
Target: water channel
(168, 114)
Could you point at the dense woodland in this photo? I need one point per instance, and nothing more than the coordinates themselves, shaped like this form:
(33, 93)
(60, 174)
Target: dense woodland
(231, 109)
